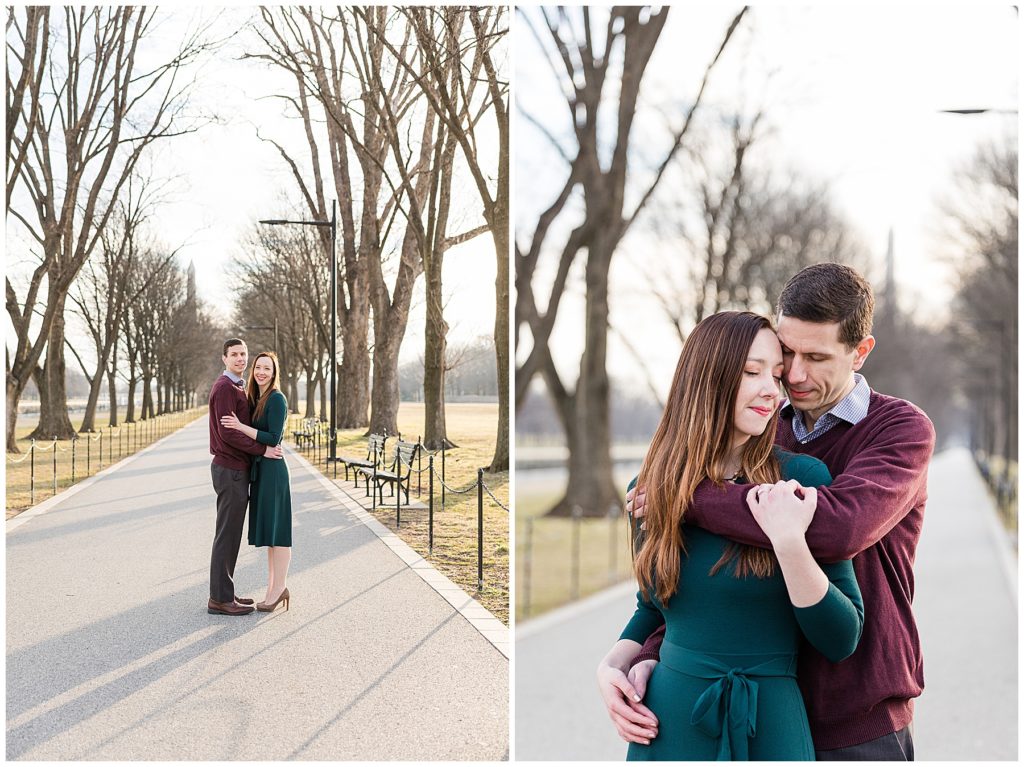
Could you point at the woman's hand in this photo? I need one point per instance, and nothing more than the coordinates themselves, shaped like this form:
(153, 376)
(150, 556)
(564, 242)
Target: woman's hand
(230, 421)
(784, 511)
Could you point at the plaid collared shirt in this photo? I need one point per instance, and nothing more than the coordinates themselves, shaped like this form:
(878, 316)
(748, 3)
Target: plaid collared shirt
(852, 408)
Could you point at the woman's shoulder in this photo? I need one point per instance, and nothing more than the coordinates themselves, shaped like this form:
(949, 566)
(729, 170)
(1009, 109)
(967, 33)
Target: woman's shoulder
(805, 469)
(277, 395)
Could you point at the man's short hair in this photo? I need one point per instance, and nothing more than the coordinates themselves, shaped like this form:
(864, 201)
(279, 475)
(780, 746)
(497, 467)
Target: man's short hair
(830, 293)
(232, 342)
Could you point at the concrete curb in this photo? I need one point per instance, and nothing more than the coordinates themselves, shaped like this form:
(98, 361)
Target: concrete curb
(479, 617)
(41, 508)
(543, 622)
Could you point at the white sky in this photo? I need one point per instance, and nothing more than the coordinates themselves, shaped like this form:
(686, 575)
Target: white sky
(227, 179)
(854, 99)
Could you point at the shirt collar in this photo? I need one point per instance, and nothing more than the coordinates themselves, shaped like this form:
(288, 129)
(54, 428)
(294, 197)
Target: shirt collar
(853, 408)
(235, 379)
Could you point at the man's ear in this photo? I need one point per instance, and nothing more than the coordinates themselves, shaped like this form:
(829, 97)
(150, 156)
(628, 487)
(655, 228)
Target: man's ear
(863, 349)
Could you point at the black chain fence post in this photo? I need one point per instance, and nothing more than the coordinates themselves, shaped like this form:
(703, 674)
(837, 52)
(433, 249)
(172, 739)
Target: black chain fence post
(479, 529)
(398, 492)
(430, 513)
(101, 448)
(88, 455)
(55, 464)
(32, 474)
(74, 444)
(419, 466)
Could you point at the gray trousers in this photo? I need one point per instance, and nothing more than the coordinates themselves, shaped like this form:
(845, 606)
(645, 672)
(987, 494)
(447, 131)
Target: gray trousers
(894, 747)
(232, 487)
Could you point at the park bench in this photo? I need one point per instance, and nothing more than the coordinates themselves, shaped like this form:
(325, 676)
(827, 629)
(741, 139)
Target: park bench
(398, 473)
(374, 457)
(306, 434)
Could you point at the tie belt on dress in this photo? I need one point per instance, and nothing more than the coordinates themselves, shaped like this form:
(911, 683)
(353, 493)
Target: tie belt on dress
(254, 469)
(727, 709)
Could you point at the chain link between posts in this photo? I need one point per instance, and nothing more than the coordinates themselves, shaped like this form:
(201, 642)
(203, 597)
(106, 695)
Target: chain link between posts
(492, 496)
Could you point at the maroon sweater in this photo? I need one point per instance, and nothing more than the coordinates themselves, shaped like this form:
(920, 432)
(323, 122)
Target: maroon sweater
(229, 447)
(872, 512)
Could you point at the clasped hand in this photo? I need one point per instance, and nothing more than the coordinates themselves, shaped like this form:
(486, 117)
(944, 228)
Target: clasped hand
(784, 510)
(232, 422)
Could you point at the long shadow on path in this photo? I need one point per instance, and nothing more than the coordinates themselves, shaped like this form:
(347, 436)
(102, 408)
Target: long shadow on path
(110, 647)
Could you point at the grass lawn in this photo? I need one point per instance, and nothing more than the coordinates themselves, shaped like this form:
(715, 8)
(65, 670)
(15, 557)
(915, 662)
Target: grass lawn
(81, 458)
(559, 560)
(471, 426)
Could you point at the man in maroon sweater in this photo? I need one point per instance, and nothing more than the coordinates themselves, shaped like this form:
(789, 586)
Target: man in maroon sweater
(878, 449)
(230, 469)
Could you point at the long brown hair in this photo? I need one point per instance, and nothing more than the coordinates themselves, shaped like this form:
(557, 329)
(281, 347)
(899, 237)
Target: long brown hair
(692, 443)
(258, 402)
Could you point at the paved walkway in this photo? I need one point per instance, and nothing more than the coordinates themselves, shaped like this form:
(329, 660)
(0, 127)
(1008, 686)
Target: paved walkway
(112, 655)
(966, 609)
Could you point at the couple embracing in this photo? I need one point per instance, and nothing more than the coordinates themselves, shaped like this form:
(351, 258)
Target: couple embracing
(247, 422)
(774, 545)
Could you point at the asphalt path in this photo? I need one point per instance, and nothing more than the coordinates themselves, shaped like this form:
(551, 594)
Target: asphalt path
(111, 654)
(965, 605)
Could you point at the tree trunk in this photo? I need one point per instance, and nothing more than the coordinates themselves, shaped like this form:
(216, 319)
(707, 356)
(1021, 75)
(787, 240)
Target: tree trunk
(13, 398)
(500, 461)
(310, 393)
(591, 488)
(130, 413)
(353, 377)
(53, 399)
(384, 393)
(435, 432)
(95, 384)
(322, 383)
(112, 395)
(147, 396)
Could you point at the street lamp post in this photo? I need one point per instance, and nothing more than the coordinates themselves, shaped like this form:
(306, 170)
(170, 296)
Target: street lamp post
(333, 224)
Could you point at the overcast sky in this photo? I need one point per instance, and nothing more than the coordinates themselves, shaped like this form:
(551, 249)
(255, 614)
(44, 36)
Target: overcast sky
(853, 95)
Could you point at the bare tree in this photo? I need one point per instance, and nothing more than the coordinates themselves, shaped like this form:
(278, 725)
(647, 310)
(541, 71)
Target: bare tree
(983, 221)
(584, 59)
(285, 276)
(751, 229)
(87, 112)
(450, 85)
(307, 43)
(101, 293)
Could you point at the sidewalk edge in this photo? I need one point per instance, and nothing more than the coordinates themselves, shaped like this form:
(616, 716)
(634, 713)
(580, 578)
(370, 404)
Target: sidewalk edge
(43, 506)
(620, 591)
(479, 617)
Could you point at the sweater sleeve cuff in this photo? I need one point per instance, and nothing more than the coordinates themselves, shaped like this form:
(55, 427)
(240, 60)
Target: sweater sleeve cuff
(642, 656)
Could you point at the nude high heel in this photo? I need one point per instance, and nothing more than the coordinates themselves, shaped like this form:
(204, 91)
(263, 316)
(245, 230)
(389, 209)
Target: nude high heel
(285, 597)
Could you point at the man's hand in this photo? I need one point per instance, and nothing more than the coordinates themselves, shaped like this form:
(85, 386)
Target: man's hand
(635, 500)
(640, 674)
(782, 514)
(273, 451)
(634, 722)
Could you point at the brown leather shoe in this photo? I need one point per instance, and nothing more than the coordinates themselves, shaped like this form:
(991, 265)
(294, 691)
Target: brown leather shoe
(228, 608)
(244, 600)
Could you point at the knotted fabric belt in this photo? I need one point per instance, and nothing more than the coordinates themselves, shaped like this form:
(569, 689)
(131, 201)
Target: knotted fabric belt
(254, 469)
(727, 709)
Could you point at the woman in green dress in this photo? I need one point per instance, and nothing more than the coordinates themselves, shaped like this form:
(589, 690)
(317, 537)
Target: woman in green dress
(270, 498)
(735, 616)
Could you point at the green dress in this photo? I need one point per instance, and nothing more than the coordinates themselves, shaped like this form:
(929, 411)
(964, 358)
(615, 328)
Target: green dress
(725, 687)
(270, 496)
